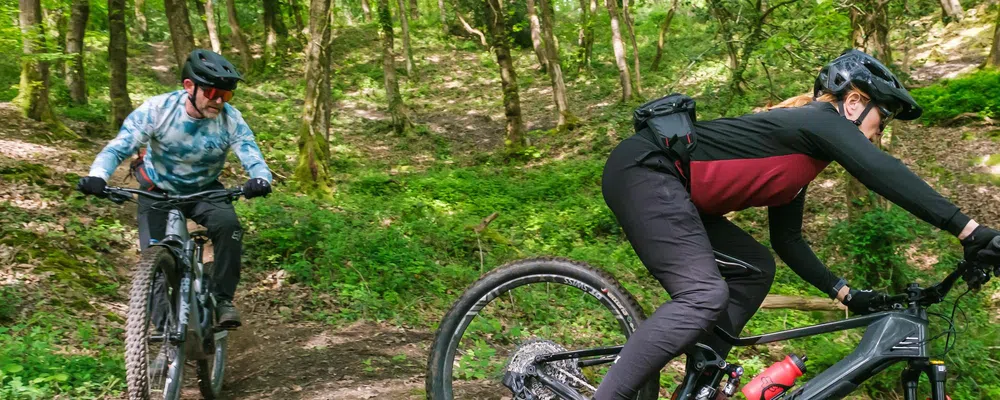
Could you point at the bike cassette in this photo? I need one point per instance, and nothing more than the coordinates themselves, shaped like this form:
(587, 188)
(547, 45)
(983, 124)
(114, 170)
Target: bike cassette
(521, 373)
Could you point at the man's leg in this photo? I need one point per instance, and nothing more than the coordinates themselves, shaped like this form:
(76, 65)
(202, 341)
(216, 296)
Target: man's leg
(745, 293)
(227, 235)
(666, 232)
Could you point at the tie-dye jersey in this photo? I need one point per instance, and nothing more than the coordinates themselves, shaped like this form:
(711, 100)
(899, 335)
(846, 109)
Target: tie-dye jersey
(183, 154)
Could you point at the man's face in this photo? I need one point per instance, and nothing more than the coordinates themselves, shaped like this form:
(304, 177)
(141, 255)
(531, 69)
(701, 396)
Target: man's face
(209, 101)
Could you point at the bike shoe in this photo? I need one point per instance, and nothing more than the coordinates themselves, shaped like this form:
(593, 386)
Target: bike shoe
(228, 316)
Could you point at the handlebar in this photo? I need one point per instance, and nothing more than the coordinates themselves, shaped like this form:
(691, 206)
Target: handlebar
(120, 195)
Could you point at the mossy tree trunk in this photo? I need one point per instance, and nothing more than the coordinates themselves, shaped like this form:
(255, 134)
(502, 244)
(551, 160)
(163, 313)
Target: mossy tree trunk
(273, 28)
(993, 61)
(397, 109)
(366, 10)
(312, 171)
(414, 10)
(619, 48)
(405, 24)
(514, 139)
(181, 35)
(566, 119)
(240, 40)
(444, 18)
(33, 94)
(75, 74)
(121, 105)
(589, 10)
(293, 5)
(664, 28)
(140, 20)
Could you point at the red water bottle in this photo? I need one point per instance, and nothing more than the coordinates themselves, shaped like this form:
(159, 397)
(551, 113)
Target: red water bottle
(776, 379)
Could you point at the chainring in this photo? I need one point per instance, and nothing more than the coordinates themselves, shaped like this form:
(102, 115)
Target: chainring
(565, 371)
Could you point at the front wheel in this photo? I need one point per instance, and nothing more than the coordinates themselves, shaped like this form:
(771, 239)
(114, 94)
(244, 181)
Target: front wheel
(566, 304)
(212, 369)
(154, 366)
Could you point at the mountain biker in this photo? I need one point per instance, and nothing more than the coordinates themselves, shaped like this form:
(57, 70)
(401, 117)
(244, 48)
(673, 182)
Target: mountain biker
(674, 220)
(186, 136)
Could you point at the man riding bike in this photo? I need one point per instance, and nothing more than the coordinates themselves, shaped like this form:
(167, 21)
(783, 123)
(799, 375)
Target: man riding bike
(186, 136)
(673, 214)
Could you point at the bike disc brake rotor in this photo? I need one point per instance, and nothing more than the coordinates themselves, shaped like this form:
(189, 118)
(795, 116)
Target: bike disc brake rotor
(564, 371)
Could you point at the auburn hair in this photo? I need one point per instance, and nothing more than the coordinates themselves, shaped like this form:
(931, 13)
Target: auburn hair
(806, 98)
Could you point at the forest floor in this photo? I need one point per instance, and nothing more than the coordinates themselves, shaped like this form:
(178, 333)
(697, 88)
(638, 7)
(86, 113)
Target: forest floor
(273, 357)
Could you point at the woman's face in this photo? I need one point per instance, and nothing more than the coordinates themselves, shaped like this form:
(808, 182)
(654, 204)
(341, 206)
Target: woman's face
(854, 105)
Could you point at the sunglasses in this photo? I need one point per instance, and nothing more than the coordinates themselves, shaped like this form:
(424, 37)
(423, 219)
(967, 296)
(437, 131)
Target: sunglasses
(214, 94)
(887, 117)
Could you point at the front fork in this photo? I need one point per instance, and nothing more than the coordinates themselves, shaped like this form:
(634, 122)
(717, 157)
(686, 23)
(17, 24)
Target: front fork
(937, 374)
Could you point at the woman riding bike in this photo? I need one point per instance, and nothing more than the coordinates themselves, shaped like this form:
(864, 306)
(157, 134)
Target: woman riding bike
(673, 214)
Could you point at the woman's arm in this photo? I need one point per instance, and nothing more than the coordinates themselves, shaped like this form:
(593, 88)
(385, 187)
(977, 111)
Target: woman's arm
(786, 239)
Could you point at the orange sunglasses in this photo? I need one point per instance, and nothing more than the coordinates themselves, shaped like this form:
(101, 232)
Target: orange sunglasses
(214, 94)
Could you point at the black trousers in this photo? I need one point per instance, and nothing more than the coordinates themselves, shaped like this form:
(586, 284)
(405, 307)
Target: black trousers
(223, 228)
(675, 244)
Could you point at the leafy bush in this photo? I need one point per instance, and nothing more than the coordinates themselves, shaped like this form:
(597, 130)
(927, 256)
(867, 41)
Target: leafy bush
(978, 92)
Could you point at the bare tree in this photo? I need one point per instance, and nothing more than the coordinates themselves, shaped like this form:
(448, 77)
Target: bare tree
(751, 21)
(619, 48)
(514, 139)
(664, 27)
(180, 29)
(993, 61)
(469, 28)
(241, 41)
(212, 26)
(398, 110)
(121, 105)
(951, 10)
(566, 119)
(444, 18)
(414, 10)
(273, 27)
(33, 94)
(589, 15)
(297, 16)
(367, 10)
(140, 20)
(314, 151)
(75, 74)
(536, 37)
(635, 47)
(407, 50)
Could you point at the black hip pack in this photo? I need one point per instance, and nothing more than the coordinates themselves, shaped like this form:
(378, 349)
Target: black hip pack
(668, 122)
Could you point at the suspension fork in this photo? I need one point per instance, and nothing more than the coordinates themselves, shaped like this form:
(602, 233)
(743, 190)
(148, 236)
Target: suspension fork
(937, 375)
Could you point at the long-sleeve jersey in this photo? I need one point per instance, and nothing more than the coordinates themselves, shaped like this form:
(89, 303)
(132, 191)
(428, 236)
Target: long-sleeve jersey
(768, 159)
(183, 154)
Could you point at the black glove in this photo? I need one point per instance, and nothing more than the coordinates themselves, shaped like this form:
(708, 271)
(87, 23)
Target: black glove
(92, 185)
(256, 187)
(991, 255)
(864, 301)
(978, 241)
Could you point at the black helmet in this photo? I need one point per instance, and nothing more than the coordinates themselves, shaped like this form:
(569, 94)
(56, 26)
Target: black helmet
(208, 68)
(873, 78)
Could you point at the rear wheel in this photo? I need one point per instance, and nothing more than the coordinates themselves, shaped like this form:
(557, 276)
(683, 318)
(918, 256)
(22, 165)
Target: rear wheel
(153, 366)
(566, 305)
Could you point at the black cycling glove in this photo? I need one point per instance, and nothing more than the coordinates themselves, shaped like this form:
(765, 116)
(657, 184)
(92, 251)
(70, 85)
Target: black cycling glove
(864, 301)
(991, 255)
(92, 185)
(978, 241)
(256, 187)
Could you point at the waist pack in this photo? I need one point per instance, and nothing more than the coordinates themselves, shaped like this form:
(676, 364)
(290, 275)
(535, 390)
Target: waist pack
(668, 122)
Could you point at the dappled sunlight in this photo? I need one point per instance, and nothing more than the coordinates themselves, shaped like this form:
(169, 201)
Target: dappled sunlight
(27, 151)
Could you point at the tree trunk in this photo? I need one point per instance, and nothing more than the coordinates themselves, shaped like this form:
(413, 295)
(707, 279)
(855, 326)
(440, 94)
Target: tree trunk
(414, 10)
(33, 96)
(664, 27)
(619, 48)
(199, 7)
(75, 74)
(566, 119)
(536, 37)
(311, 170)
(406, 37)
(240, 40)
(635, 48)
(585, 52)
(444, 18)
(297, 16)
(951, 10)
(398, 111)
(121, 105)
(993, 60)
(469, 28)
(180, 30)
(367, 10)
(514, 139)
(212, 26)
(140, 20)
(270, 32)
(56, 17)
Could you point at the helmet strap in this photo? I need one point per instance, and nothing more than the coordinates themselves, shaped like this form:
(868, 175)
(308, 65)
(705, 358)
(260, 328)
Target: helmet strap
(194, 103)
(861, 118)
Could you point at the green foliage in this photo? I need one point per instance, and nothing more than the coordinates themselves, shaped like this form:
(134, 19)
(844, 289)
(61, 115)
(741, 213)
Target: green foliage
(873, 244)
(977, 93)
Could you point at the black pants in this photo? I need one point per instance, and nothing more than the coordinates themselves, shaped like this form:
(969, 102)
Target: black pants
(223, 228)
(675, 244)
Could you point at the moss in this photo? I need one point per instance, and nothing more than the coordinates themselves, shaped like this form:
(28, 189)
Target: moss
(25, 172)
(993, 160)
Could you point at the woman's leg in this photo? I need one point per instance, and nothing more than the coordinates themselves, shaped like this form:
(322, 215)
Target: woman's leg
(745, 293)
(666, 232)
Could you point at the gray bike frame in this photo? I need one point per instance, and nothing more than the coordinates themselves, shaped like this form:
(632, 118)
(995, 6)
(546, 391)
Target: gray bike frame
(188, 252)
